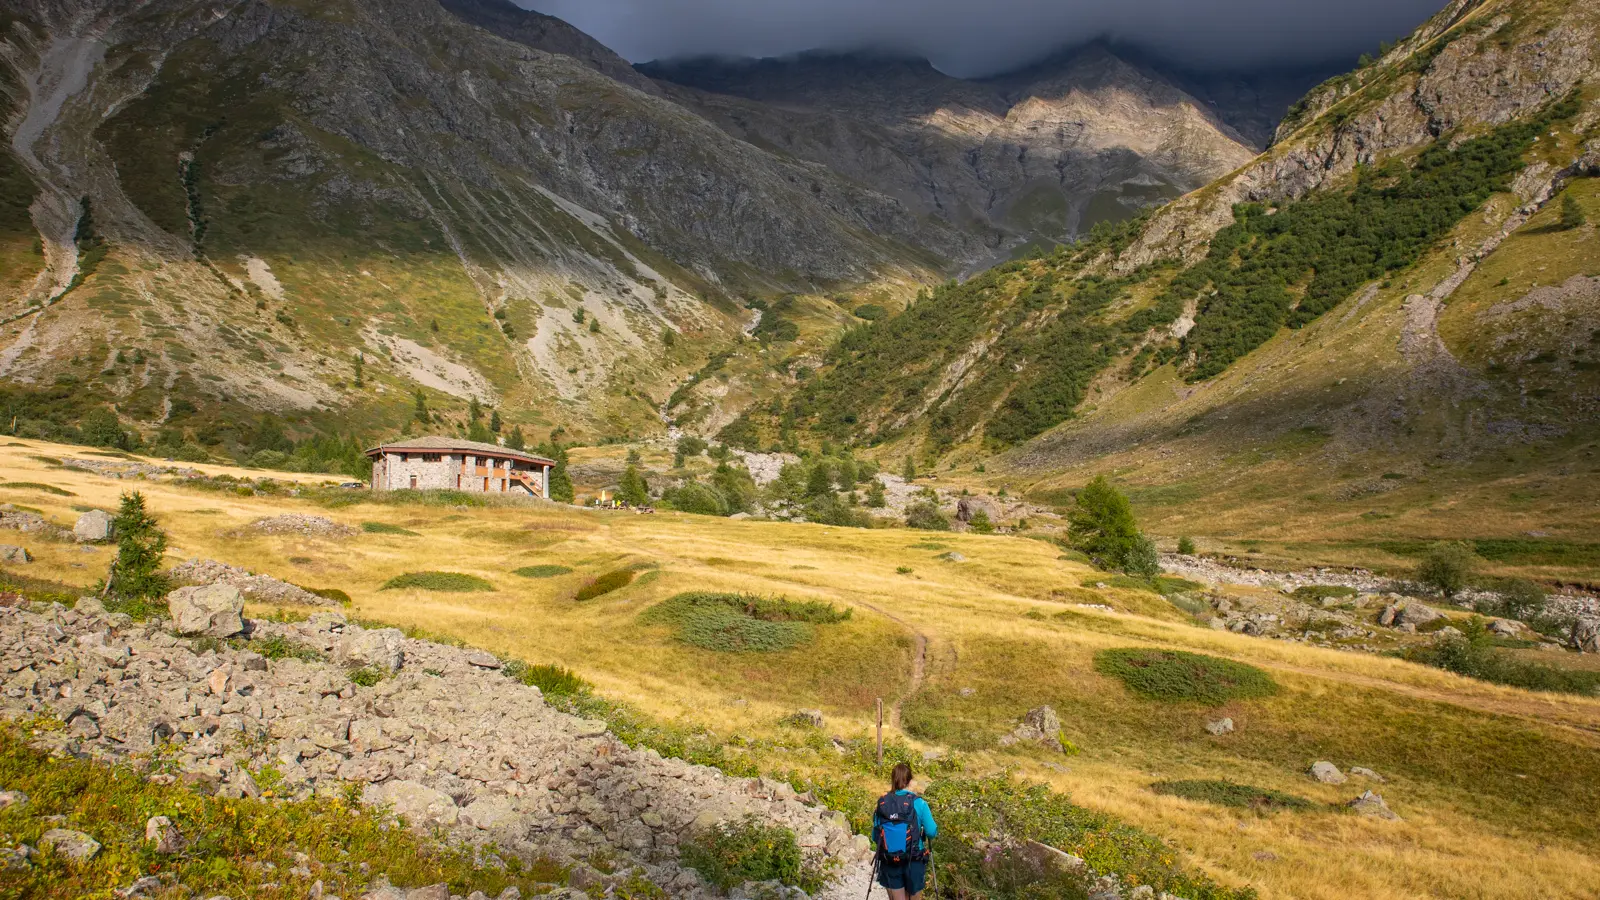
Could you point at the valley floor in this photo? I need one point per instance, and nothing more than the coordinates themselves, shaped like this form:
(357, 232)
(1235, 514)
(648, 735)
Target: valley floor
(1495, 787)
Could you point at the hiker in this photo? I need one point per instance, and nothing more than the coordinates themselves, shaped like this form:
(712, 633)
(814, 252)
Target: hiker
(902, 826)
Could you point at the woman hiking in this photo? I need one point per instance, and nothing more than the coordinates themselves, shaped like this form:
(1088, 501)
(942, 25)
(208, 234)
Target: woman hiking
(902, 825)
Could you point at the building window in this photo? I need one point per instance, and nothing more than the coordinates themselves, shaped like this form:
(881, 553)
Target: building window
(430, 457)
(413, 482)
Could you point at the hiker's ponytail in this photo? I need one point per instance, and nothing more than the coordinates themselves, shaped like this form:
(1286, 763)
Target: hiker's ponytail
(901, 777)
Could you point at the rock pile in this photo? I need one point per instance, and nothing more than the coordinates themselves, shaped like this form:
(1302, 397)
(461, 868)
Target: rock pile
(444, 740)
(1040, 726)
(307, 526)
(31, 523)
(259, 588)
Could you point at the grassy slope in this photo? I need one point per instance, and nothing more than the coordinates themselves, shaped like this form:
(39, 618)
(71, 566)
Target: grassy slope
(1497, 786)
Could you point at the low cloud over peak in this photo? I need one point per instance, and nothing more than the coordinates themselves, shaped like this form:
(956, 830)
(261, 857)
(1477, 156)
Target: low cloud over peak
(978, 37)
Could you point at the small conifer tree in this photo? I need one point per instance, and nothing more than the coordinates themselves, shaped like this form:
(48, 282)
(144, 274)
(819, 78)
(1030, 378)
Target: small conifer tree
(1571, 213)
(141, 545)
(875, 497)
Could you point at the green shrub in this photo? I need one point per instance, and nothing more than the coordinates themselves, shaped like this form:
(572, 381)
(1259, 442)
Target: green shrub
(743, 623)
(384, 528)
(334, 594)
(1313, 593)
(551, 680)
(1186, 546)
(1572, 215)
(1521, 599)
(1226, 793)
(926, 517)
(279, 647)
(35, 486)
(366, 676)
(731, 853)
(1447, 567)
(1177, 676)
(872, 312)
(545, 571)
(605, 584)
(1472, 654)
(444, 582)
(980, 523)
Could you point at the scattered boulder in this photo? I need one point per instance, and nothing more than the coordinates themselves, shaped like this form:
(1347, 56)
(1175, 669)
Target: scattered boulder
(1366, 773)
(380, 648)
(214, 610)
(1446, 633)
(9, 799)
(954, 556)
(144, 887)
(15, 555)
(14, 859)
(162, 836)
(483, 659)
(1506, 628)
(1049, 858)
(1220, 727)
(1408, 611)
(1327, 773)
(1586, 634)
(302, 525)
(1040, 726)
(806, 718)
(94, 527)
(74, 845)
(1371, 804)
(260, 588)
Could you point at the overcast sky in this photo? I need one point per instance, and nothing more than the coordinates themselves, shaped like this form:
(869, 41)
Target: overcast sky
(971, 37)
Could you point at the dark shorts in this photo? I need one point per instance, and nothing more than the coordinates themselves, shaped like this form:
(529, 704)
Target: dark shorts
(911, 877)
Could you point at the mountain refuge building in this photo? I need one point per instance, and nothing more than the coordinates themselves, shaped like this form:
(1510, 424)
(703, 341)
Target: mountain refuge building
(442, 463)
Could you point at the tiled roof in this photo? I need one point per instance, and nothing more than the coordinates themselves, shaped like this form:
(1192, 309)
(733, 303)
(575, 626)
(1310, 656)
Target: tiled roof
(437, 444)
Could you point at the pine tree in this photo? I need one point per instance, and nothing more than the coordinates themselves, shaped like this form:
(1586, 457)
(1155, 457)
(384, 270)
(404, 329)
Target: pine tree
(359, 362)
(515, 440)
(909, 472)
(1571, 213)
(1102, 525)
(634, 490)
(875, 497)
(669, 338)
(819, 482)
(420, 412)
(474, 410)
(494, 421)
(141, 545)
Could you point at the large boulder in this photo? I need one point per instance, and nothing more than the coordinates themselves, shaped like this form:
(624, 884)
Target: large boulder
(74, 845)
(94, 527)
(1040, 726)
(381, 648)
(214, 610)
(10, 553)
(421, 805)
(1327, 773)
(1586, 634)
(1408, 612)
(1371, 804)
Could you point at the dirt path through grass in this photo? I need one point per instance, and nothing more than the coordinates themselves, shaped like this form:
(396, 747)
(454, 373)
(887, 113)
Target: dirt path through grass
(919, 661)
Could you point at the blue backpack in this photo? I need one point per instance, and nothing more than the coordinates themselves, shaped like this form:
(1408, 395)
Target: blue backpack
(898, 833)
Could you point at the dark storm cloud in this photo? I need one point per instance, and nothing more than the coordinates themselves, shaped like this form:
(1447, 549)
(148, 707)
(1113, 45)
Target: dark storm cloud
(967, 37)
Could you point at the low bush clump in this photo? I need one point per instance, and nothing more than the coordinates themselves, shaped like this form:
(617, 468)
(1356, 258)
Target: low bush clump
(445, 582)
(366, 676)
(926, 517)
(552, 681)
(1226, 793)
(731, 853)
(229, 841)
(605, 584)
(35, 486)
(334, 594)
(742, 623)
(1313, 593)
(1447, 567)
(279, 647)
(543, 571)
(385, 528)
(1472, 653)
(1176, 676)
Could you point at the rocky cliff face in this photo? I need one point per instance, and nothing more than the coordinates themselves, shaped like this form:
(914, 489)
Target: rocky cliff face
(1046, 153)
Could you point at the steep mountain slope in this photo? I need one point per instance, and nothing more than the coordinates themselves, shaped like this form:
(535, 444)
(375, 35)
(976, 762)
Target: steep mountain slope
(1045, 153)
(1324, 318)
(234, 200)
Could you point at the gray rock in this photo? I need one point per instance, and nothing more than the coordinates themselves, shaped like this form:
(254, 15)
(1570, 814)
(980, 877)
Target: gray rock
(14, 859)
(1366, 773)
(94, 527)
(9, 799)
(1372, 804)
(10, 553)
(431, 892)
(1048, 857)
(419, 804)
(213, 610)
(1408, 612)
(809, 718)
(482, 659)
(74, 845)
(382, 648)
(954, 556)
(1040, 725)
(1586, 634)
(1505, 628)
(1327, 773)
(162, 836)
(1220, 727)
(145, 886)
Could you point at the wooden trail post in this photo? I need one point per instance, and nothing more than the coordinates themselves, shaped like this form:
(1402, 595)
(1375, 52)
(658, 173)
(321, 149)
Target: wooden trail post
(880, 732)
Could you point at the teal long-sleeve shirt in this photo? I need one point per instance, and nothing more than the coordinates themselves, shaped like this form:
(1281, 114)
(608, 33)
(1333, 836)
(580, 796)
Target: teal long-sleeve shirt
(929, 828)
